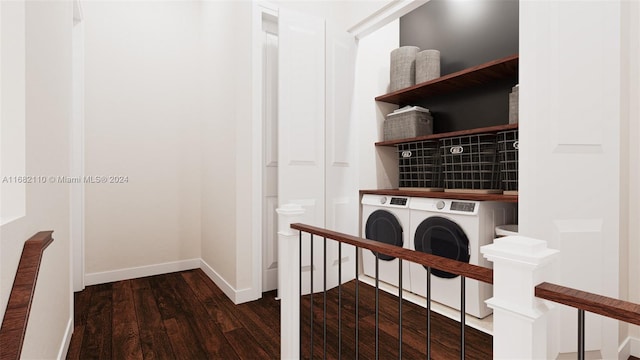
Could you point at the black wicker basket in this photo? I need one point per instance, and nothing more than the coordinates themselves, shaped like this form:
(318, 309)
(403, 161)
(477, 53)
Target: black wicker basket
(470, 162)
(419, 165)
(508, 154)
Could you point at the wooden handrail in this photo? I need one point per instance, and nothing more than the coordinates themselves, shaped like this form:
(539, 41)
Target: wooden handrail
(14, 324)
(437, 262)
(598, 304)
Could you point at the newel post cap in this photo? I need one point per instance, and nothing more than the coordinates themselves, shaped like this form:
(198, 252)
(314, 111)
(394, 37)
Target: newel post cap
(288, 214)
(519, 249)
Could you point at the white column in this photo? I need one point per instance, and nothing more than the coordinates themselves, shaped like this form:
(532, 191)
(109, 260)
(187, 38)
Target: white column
(519, 318)
(289, 280)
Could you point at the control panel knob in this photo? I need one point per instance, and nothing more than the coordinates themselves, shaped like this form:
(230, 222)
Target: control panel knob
(383, 200)
(440, 205)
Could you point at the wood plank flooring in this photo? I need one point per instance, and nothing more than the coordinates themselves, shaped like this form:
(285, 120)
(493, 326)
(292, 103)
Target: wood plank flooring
(445, 333)
(185, 316)
(174, 316)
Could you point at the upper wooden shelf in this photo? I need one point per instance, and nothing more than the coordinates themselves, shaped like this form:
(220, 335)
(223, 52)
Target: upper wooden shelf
(463, 79)
(489, 129)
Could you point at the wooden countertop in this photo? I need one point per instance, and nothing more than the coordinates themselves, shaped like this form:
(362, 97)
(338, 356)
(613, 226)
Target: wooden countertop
(443, 195)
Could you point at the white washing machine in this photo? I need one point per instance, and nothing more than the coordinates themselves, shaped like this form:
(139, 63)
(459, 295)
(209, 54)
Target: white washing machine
(385, 218)
(455, 229)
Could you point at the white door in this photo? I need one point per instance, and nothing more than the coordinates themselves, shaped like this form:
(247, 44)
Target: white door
(340, 147)
(316, 167)
(270, 153)
(570, 153)
(301, 159)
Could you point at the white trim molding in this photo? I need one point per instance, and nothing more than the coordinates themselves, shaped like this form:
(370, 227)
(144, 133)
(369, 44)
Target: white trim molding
(140, 271)
(635, 346)
(629, 347)
(66, 340)
(388, 13)
(237, 296)
(260, 9)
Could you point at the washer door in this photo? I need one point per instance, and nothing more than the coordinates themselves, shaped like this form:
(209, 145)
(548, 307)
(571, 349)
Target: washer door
(384, 227)
(442, 237)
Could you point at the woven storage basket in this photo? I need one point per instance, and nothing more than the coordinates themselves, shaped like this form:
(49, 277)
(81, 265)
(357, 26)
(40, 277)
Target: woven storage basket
(407, 124)
(427, 65)
(403, 67)
(513, 105)
(419, 165)
(508, 154)
(471, 162)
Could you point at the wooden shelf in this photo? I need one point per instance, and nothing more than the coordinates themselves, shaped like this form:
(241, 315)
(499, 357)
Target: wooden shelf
(464, 79)
(490, 129)
(443, 195)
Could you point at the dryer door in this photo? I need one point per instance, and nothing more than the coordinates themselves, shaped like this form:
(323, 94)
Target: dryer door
(442, 237)
(383, 226)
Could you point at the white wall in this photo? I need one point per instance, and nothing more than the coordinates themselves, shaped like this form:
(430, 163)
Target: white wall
(12, 110)
(48, 110)
(377, 166)
(344, 14)
(632, 42)
(226, 142)
(143, 112)
(167, 69)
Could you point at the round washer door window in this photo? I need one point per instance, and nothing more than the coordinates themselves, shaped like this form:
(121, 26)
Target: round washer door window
(384, 227)
(442, 237)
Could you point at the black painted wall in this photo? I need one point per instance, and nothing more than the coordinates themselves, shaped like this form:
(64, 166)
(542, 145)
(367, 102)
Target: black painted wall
(467, 33)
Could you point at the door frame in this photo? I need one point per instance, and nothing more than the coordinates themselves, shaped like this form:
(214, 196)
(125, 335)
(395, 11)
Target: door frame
(260, 9)
(77, 151)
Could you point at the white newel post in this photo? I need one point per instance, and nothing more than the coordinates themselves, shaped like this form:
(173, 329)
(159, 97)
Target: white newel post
(519, 318)
(289, 280)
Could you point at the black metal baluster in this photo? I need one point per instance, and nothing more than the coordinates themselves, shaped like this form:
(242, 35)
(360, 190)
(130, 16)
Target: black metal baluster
(377, 306)
(311, 298)
(428, 313)
(462, 314)
(324, 302)
(400, 309)
(339, 300)
(300, 287)
(580, 334)
(357, 306)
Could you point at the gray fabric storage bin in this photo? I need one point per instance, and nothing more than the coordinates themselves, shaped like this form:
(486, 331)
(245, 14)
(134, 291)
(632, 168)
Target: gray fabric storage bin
(407, 124)
(427, 65)
(403, 67)
(513, 105)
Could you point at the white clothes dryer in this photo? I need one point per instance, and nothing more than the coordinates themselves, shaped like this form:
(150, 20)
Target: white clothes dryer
(386, 219)
(455, 229)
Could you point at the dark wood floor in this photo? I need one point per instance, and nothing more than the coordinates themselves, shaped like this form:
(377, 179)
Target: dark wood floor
(185, 316)
(445, 333)
(173, 316)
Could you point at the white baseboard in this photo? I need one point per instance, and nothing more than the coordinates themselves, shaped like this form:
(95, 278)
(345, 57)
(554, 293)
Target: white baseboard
(624, 350)
(237, 296)
(246, 295)
(634, 347)
(226, 288)
(66, 340)
(141, 271)
(629, 347)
